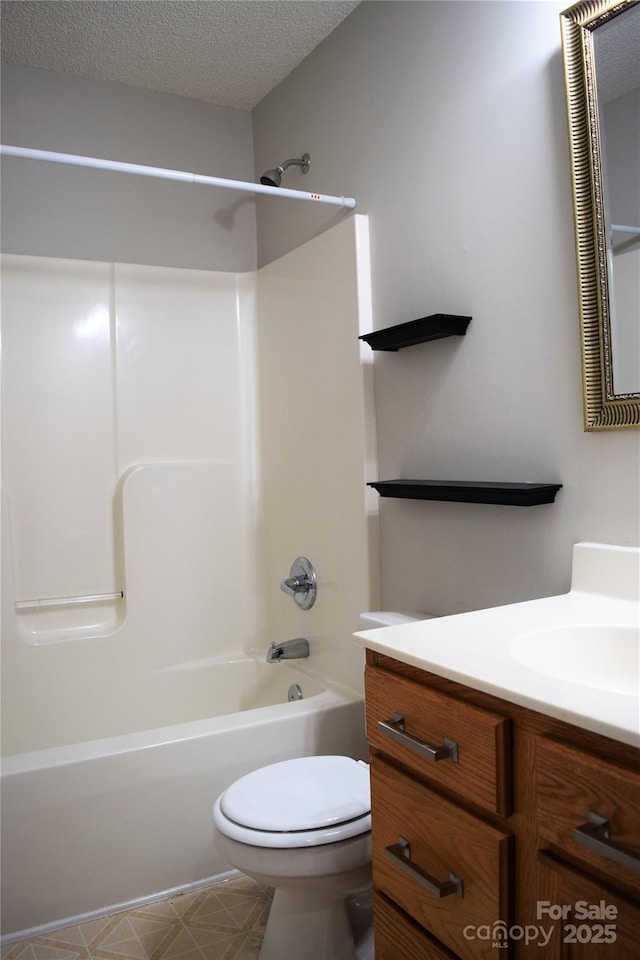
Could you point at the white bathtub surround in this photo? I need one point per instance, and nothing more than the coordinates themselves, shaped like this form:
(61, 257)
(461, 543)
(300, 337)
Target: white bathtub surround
(575, 656)
(317, 442)
(154, 447)
(118, 407)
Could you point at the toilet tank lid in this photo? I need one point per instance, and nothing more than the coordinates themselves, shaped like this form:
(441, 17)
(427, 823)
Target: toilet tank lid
(388, 618)
(302, 794)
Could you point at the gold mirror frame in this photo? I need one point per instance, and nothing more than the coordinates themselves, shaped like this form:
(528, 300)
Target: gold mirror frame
(603, 410)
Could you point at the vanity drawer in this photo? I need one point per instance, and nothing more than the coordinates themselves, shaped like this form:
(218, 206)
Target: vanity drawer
(576, 788)
(398, 938)
(481, 773)
(446, 845)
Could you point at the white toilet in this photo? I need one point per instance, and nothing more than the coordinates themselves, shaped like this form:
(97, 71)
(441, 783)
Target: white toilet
(303, 826)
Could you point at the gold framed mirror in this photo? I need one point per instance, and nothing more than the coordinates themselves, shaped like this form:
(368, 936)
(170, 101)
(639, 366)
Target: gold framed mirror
(601, 49)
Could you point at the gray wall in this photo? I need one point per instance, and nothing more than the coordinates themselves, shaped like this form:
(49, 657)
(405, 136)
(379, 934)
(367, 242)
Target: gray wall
(60, 211)
(447, 122)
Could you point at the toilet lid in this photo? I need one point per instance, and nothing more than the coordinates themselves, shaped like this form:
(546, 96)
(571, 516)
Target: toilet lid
(307, 793)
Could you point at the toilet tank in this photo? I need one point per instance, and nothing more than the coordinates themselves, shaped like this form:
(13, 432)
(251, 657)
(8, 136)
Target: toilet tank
(388, 618)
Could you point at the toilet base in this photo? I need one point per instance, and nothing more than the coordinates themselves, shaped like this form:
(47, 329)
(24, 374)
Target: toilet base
(322, 906)
(308, 926)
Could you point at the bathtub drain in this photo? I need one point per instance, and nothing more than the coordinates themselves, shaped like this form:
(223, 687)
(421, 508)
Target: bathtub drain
(295, 693)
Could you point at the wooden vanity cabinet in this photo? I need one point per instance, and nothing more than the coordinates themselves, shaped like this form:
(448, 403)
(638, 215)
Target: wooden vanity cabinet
(484, 811)
(577, 862)
(615, 933)
(398, 937)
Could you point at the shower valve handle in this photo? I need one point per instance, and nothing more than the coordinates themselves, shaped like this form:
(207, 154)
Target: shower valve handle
(293, 585)
(301, 584)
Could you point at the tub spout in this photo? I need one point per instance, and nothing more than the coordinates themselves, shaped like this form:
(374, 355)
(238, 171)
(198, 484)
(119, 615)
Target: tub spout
(289, 650)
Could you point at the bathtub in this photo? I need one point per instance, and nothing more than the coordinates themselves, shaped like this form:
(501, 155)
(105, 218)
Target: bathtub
(90, 828)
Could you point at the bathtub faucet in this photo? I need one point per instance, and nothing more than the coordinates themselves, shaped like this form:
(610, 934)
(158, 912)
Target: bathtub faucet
(289, 650)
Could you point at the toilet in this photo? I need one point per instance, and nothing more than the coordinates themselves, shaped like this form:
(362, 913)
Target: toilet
(303, 826)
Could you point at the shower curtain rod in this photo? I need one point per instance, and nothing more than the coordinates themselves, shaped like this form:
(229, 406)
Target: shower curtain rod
(144, 171)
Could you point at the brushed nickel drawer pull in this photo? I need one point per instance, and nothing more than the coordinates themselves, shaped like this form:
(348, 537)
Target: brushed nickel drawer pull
(400, 855)
(394, 728)
(595, 835)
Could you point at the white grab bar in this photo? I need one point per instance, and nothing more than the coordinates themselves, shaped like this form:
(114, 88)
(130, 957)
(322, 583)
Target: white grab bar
(66, 601)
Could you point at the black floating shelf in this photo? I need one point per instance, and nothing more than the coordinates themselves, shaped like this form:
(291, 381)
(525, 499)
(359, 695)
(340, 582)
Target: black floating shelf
(435, 327)
(510, 494)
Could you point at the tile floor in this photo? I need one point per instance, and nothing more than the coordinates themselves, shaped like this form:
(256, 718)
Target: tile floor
(221, 922)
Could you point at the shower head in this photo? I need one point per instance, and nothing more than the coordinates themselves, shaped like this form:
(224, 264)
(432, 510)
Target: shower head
(273, 178)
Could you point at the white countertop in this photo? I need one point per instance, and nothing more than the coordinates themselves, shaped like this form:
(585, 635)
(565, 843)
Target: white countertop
(476, 649)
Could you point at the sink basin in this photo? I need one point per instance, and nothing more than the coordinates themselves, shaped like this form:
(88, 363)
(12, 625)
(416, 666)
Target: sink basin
(600, 656)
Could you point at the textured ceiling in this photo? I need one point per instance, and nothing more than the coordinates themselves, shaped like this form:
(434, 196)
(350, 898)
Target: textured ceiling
(231, 53)
(616, 46)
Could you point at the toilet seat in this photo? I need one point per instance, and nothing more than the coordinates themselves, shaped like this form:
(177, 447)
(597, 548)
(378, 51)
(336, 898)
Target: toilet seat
(304, 802)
